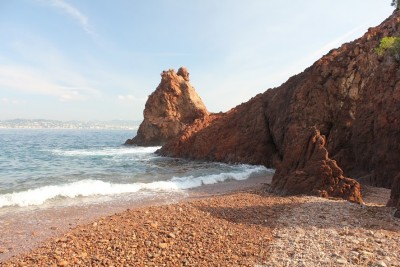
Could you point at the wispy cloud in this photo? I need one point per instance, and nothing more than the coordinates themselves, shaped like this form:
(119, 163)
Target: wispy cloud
(130, 98)
(45, 70)
(33, 82)
(309, 59)
(256, 76)
(74, 13)
(126, 97)
(336, 42)
(8, 101)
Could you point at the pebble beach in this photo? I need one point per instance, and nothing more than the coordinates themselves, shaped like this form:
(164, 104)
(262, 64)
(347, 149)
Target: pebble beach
(246, 227)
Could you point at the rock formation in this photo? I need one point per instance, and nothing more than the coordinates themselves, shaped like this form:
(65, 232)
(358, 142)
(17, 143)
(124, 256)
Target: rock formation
(394, 200)
(240, 135)
(351, 95)
(307, 169)
(172, 107)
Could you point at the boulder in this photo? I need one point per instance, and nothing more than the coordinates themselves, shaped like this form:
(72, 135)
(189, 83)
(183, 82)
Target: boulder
(307, 169)
(172, 107)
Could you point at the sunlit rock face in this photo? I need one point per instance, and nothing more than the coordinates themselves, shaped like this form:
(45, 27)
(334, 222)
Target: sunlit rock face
(172, 107)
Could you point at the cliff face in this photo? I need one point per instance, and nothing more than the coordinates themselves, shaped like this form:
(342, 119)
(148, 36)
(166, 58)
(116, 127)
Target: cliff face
(351, 95)
(169, 110)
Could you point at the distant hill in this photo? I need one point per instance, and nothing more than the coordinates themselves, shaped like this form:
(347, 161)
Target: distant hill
(55, 124)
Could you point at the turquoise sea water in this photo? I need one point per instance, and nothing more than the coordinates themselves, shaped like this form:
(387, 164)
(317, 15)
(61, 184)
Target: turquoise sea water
(53, 167)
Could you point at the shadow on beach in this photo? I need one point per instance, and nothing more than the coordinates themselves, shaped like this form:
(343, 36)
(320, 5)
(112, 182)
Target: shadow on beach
(309, 212)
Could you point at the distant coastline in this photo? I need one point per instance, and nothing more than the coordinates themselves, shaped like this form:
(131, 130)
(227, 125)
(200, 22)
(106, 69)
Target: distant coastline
(55, 124)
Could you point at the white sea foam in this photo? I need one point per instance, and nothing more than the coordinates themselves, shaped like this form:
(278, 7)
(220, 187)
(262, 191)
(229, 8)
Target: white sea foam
(106, 151)
(86, 188)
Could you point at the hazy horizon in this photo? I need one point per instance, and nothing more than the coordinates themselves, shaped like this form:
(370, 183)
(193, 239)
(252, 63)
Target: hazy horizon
(83, 60)
(15, 124)
(94, 120)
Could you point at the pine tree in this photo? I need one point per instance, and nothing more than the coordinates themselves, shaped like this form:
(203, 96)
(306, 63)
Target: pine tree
(396, 3)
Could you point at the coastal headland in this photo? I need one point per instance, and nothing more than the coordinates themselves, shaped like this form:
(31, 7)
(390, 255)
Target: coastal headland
(325, 131)
(331, 132)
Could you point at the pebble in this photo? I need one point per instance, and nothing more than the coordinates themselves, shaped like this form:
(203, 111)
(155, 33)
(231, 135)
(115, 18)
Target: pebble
(355, 253)
(354, 241)
(366, 253)
(163, 245)
(341, 261)
(63, 263)
(171, 235)
(368, 233)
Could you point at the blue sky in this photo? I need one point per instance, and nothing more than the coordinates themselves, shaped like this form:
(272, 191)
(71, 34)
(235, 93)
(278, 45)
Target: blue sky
(99, 60)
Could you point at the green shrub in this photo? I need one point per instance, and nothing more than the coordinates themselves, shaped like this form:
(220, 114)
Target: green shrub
(389, 44)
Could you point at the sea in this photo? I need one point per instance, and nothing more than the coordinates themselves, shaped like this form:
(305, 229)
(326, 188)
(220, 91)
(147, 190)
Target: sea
(52, 180)
(42, 168)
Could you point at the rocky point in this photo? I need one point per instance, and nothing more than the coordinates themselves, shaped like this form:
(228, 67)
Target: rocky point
(352, 98)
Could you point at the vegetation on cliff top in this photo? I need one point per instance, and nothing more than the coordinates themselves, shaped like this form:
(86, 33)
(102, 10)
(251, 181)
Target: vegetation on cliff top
(389, 44)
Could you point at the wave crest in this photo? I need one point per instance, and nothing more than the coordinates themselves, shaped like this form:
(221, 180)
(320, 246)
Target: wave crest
(89, 187)
(105, 152)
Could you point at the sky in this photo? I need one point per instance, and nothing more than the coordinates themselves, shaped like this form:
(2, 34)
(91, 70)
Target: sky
(100, 59)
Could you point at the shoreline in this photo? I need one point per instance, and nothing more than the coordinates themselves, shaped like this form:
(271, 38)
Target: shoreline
(28, 227)
(243, 227)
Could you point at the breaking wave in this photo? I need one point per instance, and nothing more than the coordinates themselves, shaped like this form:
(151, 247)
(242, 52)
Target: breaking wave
(105, 151)
(90, 187)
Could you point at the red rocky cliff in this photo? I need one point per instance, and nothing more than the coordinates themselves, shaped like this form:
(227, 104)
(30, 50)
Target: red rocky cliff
(351, 95)
(172, 107)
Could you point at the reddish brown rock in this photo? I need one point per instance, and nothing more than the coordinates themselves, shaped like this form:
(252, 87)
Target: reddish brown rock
(172, 107)
(394, 200)
(240, 135)
(351, 95)
(306, 168)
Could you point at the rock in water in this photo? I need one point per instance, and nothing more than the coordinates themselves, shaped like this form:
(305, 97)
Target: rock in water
(172, 107)
(306, 168)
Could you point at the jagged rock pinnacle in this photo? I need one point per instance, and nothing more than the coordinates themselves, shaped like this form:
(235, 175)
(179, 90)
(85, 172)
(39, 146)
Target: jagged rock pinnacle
(172, 107)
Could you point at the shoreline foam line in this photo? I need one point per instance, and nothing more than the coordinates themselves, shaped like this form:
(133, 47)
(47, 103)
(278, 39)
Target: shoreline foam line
(104, 151)
(89, 187)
